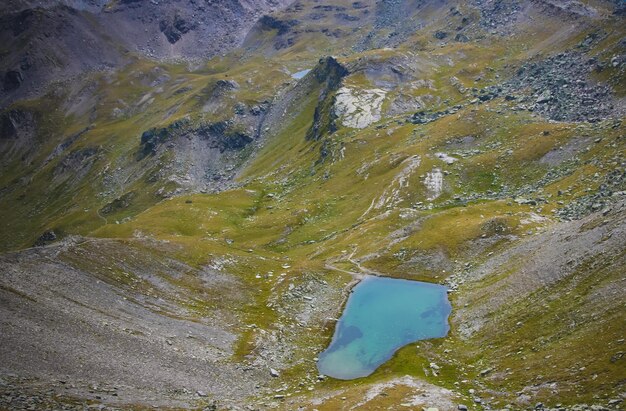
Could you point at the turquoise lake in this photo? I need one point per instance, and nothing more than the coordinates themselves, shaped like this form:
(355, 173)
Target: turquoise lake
(381, 316)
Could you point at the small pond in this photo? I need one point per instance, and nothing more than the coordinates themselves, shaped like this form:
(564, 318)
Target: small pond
(300, 74)
(381, 316)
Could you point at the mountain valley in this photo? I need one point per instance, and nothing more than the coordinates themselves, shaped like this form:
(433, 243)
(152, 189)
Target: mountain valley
(190, 189)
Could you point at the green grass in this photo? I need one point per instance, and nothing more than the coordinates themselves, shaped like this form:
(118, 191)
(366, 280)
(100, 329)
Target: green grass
(292, 207)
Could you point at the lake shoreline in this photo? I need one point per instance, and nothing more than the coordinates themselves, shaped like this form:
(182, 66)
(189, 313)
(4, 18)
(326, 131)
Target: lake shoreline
(383, 316)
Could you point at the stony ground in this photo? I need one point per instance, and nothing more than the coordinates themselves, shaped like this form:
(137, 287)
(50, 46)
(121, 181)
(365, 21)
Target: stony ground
(199, 222)
(73, 329)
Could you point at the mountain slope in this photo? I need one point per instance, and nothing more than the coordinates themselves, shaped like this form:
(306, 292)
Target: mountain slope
(210, 219)
(48, 42)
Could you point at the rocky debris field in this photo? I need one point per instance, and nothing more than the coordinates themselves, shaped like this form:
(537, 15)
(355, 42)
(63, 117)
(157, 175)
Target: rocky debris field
(199, 213)
(560, 89)
(103, 336)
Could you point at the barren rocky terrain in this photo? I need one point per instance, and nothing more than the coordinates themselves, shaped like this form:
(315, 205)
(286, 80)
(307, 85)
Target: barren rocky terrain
(189, 190)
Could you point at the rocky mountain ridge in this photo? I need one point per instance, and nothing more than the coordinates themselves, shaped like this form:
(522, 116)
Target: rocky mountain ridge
(67, 39)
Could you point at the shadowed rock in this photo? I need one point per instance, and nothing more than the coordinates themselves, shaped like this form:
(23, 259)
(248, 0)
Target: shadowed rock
(12, 80)
(329, 74)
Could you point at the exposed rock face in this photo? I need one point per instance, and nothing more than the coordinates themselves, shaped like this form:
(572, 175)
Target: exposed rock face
(13, 79)
(152, 139)
(272, 23)
(46, 238)
(328, 74)
(202, 157)
(175, 28)
(223, 86)
(462, 38)
(359, 108)
(223, 137)
(434, 183)
(284, 31)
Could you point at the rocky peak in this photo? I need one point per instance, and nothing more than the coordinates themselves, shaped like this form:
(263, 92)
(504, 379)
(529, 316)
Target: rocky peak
(329, 74)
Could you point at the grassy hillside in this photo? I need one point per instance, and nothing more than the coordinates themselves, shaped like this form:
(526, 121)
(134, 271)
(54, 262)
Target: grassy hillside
(477, 147)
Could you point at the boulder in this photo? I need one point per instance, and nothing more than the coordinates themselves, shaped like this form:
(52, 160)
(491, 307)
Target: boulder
(544, 97)
(174, 28)
(46, 238)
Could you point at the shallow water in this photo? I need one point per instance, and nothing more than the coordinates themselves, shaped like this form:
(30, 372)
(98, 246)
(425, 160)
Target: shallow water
(300, 74)
(381, 316)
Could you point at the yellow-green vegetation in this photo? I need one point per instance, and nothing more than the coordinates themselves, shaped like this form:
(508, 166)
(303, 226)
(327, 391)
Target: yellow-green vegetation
(369, 205)
(316, 219)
